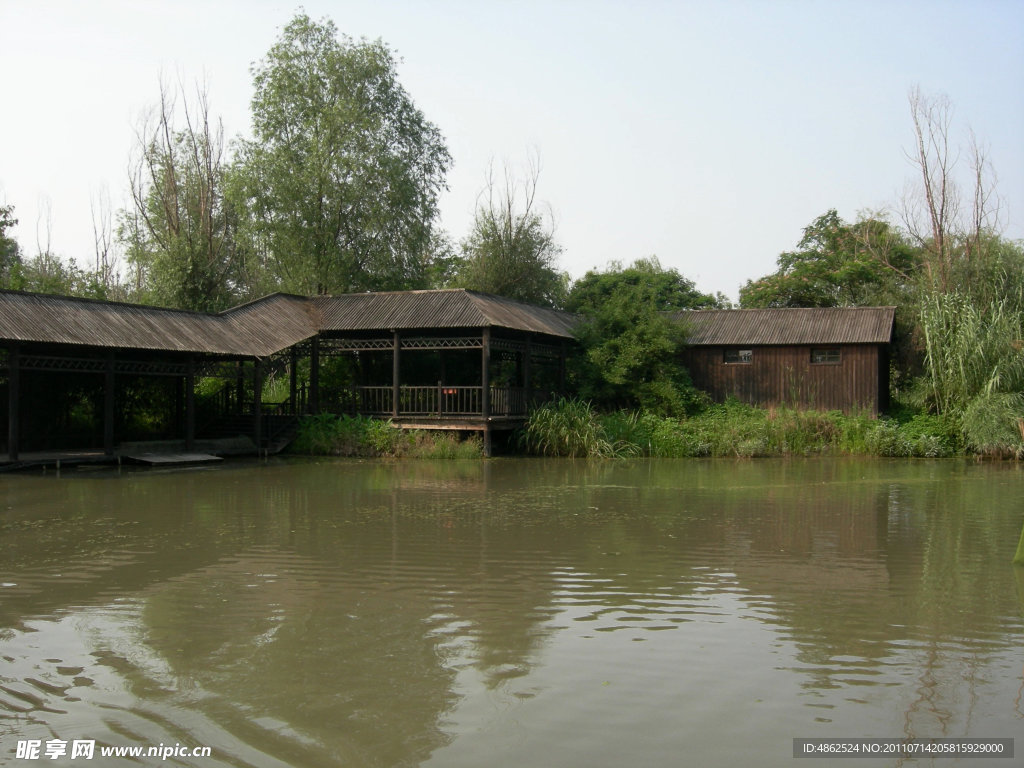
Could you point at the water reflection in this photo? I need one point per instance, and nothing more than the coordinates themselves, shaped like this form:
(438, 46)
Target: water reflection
(511, 612)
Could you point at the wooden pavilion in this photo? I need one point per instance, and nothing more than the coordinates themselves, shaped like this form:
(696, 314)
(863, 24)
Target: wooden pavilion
(447, 359)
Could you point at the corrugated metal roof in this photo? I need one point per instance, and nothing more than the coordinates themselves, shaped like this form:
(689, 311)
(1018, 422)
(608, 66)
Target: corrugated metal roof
(261, 327)
(451, 308)
(817, 325)
(276, 322)
(273, 323)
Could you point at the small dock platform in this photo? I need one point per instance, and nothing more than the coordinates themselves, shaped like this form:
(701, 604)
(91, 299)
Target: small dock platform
(69, 458)
(151, 453)
(164, 459)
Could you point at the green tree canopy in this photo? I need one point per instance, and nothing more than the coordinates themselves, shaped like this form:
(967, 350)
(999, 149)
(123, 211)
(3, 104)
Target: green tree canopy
(340, 183)
(48, 273)
(630, 345)
(45, 272)
(511, 249)
(10, 251)
(665, 289)
(837, 264)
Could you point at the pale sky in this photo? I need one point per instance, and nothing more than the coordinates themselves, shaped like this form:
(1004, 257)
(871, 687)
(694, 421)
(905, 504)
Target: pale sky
(706, 133)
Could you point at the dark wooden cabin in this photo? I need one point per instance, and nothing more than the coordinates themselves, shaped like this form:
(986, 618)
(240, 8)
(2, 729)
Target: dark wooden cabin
(449, 359)
(833, 358)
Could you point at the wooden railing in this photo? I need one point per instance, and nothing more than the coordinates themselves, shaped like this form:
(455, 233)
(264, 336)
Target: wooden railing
(439, 401)
(444, 401)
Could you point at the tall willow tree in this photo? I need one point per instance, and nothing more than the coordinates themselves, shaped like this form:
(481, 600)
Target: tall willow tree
(339, 185)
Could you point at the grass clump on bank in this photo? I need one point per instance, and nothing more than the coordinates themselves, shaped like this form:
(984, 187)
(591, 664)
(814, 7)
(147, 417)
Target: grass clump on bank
(570, 427)
(360, 436)
(573, 428)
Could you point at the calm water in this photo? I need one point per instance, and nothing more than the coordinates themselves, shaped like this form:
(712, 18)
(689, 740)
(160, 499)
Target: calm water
(512, 612)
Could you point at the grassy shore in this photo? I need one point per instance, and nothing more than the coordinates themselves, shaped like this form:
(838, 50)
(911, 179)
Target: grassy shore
(573, 428)
(361, 436)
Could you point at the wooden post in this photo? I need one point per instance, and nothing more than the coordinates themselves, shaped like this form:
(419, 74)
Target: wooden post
(292, 381)
(485, 375)
(239, 387)
(396, 359)
(314, 376)
(561, 369)
(257, 404)
(179, 404)
(485, 395)
(359, 394)
(882, 397)
(13, 386)
(190, 404)
(108, 405)
(527, 375)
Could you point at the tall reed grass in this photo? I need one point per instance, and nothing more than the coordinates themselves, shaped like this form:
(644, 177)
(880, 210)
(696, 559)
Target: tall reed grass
(733, 429)
(571, 428)
(975, 368)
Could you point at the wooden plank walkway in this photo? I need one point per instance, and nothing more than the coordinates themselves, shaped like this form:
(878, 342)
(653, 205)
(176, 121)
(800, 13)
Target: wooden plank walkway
(67, 458)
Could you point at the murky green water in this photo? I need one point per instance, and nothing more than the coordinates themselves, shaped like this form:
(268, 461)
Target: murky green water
(512, 612)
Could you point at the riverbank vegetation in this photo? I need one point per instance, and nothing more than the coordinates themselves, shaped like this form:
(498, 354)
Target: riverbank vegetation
(733, 429)
(362, 437)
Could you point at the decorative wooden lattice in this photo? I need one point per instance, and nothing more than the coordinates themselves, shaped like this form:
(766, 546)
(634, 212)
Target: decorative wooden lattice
(94, 365)
(447, 342)
(334, 346)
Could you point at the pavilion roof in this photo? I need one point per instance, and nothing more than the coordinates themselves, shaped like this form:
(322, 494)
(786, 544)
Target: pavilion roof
(424, 310)
(262, 327)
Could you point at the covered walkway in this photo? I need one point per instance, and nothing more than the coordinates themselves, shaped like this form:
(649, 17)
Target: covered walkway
(450, 359)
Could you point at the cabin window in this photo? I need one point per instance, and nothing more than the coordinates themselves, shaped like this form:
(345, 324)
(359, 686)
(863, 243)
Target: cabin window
(738, 356)
(828, 355)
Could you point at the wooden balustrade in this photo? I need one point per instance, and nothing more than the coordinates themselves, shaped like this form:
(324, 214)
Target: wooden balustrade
(443, 400)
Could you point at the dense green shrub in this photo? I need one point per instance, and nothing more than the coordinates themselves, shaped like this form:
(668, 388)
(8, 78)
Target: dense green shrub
(629, 347)
(992, 424)
(946, 431)
(890, 438)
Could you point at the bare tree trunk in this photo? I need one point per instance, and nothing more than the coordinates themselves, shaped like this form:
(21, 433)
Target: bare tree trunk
(105, 265)
(182, 230)
(931, 118)
(933, 215)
